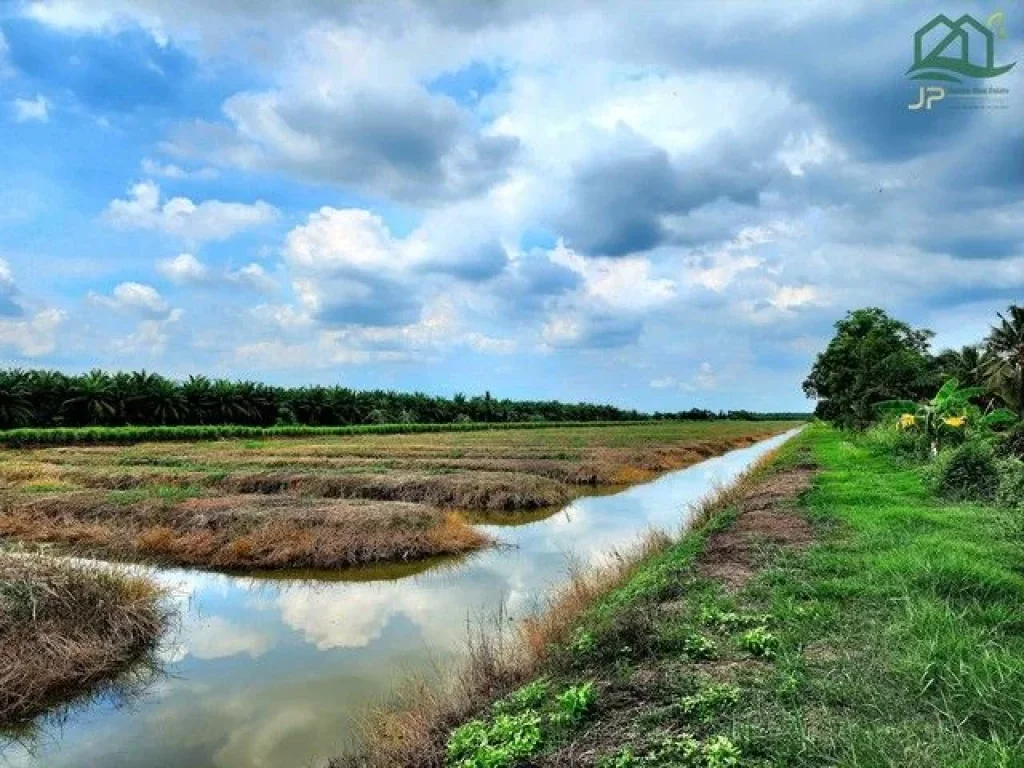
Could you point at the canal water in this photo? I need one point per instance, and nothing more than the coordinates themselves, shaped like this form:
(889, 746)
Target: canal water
(266, 672)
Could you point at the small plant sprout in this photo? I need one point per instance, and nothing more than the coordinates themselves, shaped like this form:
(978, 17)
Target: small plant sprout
(760, 642)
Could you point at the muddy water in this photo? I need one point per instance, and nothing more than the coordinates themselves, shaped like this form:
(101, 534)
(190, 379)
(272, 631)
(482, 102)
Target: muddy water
(269, 672)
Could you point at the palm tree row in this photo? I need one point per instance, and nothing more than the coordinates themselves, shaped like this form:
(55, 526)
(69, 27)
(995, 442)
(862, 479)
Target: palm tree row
(42, 398)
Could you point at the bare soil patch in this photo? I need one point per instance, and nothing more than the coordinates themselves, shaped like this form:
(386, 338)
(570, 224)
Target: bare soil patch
(731, 556)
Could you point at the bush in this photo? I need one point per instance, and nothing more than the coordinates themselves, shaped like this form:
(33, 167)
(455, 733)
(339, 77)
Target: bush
(909, 444)
(967, 473)
(1010, 493)
(1012, 442)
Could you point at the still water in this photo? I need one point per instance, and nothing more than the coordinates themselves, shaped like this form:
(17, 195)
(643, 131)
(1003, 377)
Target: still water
(268, 672)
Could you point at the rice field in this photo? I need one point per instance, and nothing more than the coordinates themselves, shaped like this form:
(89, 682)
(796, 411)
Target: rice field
(330, 501)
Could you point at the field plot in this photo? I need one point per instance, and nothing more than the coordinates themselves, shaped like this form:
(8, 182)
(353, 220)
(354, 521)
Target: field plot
(331, 501)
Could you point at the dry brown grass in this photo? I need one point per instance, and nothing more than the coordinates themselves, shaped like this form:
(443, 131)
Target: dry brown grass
(67, 627)
(242, 531)
(328, 502)
(411, 732)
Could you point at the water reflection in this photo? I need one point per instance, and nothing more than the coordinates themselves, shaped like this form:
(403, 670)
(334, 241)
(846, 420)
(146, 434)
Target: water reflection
(269, 671)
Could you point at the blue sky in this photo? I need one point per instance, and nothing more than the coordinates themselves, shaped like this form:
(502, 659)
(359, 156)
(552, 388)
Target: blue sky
(660, 205)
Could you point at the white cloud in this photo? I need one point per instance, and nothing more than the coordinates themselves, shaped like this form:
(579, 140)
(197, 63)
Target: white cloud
(155, 169)
(210, 220)
(793, 296)
(183, 268)
(149, 338)
(134, 296)
(253, 276)
(704, 378)
(31, 110)
(336, 239)
(35, 336)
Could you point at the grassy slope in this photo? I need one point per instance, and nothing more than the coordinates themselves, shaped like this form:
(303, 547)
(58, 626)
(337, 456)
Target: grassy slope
(898, 639)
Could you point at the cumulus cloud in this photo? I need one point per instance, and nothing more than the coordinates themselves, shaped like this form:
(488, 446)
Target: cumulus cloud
(183, 268)
(186, 269)
(136, 297)
(35, 110)
(33, 336)
(520, 176)
(411, 145)
(211, 220)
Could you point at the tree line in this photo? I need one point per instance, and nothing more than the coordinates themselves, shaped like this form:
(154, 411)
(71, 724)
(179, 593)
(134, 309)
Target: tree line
(47, 398)
(874, 358)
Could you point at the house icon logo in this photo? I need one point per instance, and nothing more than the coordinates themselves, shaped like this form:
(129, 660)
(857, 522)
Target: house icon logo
(950, 50)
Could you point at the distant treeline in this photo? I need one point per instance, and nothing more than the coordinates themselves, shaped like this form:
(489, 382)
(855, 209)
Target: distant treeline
(44, 399)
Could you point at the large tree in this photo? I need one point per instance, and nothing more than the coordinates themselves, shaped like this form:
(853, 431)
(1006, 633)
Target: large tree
(1003, 361)
(871, 358)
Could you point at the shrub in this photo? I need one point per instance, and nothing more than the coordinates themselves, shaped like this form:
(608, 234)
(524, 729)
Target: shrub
(909, 444)
(966, 473)
(1010, 493)
(1011, 443)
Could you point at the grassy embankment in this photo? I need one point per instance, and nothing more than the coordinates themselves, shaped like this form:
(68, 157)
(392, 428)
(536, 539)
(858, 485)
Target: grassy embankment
(858, 623)
(67, 629)
(329, 501)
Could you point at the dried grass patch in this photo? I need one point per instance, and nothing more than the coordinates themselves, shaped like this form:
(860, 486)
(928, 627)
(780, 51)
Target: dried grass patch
(65, 627)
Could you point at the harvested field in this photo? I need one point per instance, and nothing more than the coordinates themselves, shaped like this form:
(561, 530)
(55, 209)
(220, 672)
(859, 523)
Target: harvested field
(331, 501)
(65, 629)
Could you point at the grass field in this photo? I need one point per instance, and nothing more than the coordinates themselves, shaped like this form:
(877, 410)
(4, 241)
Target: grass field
(329, 501)
(831, 613)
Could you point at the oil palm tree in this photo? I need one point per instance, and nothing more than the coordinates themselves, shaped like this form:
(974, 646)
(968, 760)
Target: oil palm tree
(15, 400)
(1003, 361)
(92, 399)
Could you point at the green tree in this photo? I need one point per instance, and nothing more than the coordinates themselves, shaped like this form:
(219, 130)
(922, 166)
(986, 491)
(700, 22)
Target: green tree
(872, 358)
(92, 399)
(15, 400)
(962, 364)
(1003, 361)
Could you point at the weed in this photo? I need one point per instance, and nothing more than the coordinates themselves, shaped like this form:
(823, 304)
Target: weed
(759, 642)
(729, 621)
(709, 701)
(696, 646)
(573, 703)
(500, 743)
(530, 697)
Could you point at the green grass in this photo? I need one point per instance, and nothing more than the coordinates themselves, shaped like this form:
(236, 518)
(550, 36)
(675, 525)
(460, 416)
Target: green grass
(896, 640)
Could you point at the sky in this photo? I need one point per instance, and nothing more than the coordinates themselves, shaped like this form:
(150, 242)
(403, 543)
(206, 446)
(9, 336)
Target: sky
(661, 205)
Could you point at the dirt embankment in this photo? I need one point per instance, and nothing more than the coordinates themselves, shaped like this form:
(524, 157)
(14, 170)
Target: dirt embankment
(67, 629)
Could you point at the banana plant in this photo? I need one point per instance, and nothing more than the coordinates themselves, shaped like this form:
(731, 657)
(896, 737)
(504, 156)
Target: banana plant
(950, 415)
